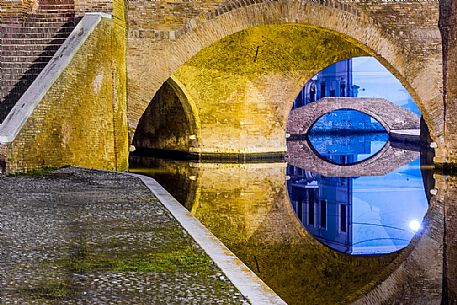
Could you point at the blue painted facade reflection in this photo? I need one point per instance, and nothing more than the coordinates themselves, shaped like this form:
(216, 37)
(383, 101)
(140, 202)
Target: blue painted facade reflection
(349, 215)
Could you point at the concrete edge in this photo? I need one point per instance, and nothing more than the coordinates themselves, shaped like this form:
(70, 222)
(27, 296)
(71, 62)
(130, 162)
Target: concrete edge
(246, 281)
(24, 108)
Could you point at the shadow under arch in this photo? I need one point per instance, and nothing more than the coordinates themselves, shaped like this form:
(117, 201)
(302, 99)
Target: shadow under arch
(170, 122)
(345, 20)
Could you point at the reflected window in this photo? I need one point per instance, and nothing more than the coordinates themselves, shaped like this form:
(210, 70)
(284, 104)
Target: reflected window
(343, 218)
(311, 209)
(323, 214)
(343, 89)
(300, 210)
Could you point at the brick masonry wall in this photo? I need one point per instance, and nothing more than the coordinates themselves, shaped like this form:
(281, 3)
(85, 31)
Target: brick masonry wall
(83, 6)
(450, 279)
(28, 43)
(15, 10)
(243, 85)
(81, 120)
(448, 24)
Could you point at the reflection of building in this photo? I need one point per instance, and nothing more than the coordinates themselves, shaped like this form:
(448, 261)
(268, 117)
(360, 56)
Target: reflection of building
(333, 81)
(323, 205)
(360, 216)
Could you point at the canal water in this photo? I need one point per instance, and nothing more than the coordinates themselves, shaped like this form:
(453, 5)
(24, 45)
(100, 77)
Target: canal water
(322, 227)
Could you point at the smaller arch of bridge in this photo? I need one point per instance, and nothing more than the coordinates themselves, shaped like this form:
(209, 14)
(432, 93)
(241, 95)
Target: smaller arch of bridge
(388, 114)
(171, 121)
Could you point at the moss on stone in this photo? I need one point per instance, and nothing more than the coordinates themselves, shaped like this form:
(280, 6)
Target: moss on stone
(176, 253)
(50, 290)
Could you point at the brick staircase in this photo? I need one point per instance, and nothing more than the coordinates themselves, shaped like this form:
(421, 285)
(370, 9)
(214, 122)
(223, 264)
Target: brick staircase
(27, 43)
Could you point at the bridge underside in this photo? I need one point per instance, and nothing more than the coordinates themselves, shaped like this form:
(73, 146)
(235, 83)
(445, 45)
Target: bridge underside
(236, 95)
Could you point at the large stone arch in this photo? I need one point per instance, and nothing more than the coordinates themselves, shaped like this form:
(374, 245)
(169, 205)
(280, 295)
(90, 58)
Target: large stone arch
(151, 62)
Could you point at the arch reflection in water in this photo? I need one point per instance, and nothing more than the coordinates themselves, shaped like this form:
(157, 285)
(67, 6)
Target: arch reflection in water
(360, 215)
(347, 136)
(248, 208)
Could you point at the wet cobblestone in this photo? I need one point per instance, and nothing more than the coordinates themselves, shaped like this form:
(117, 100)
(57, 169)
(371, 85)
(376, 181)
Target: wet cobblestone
(78, 236)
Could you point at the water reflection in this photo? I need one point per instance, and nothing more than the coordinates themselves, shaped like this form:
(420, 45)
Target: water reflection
(247, 207)
(347, 136)
(363, 215)
(344, 149)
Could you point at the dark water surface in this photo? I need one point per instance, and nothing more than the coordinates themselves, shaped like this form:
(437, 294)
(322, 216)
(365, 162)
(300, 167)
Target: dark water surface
(314, 237)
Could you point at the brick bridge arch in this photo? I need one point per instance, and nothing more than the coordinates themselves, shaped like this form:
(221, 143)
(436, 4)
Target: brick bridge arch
(415, 60)
(388, 114)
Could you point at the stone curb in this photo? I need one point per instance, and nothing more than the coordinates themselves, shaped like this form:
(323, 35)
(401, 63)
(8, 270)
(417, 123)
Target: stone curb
(246, 281)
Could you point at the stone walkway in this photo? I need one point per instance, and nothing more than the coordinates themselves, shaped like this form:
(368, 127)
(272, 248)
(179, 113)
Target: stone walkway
(78, 236)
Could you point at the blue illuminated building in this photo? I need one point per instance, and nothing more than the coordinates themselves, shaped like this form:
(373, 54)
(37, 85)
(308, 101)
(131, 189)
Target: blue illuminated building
(334, 81)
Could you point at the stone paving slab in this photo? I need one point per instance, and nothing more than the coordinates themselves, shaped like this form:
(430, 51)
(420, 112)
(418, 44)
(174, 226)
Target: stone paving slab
(78, 236)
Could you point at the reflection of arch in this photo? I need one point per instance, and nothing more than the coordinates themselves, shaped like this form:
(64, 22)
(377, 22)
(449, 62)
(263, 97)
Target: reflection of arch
(373, 156)
(343, 19)
(388, 159)
(260, 227)
(389, 115)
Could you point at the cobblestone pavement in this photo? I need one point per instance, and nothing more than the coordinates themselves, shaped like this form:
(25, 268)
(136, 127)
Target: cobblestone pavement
(78, 236)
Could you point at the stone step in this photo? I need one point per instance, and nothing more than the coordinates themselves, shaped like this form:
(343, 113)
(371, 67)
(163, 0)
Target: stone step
(26, 58)
(67, 28)
(9, 77)
(34, 47)
(19, 71)
(22, 65)
(53, 20)
(26, 52)
(15, 76)
(27, 41)
(43, 24)
(13, 83)
(35, 35)
(44, 14)
(56, 9)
